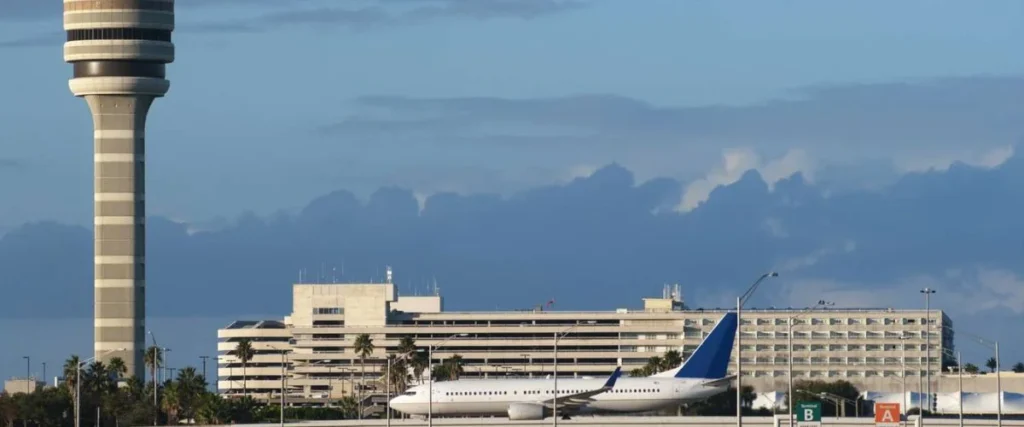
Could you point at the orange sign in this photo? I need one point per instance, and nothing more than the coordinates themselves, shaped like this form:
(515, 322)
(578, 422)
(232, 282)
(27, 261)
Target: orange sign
(887, 414)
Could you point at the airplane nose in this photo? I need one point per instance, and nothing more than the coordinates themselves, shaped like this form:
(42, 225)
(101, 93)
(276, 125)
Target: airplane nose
(398, 403)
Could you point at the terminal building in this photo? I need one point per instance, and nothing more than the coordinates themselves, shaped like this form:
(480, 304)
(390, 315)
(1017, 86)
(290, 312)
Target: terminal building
(311, 351)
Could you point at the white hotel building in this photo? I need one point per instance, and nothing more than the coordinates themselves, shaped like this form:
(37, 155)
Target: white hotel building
(868, 347)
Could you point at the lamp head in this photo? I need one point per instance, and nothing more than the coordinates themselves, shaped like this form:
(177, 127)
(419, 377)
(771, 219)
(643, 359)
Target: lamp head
(773, 274)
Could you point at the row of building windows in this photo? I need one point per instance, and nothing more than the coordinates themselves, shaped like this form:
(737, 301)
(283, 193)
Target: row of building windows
(82, 6)
(119, 34)
(536, 392)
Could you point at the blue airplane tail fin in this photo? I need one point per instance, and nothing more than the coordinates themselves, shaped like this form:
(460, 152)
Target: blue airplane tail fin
(711, 358)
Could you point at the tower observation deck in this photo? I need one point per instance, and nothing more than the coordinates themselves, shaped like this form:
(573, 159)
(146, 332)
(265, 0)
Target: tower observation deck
(118, 49)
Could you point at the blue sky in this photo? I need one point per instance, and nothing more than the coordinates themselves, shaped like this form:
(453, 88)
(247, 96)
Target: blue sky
(276, 104)
(255, 81)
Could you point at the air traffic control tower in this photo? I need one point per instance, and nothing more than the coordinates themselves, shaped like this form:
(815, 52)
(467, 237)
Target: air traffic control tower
(119, 49)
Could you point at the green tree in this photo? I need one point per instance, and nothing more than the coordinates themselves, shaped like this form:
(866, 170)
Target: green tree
(349, 407)
(1018, 367)
(117, 368)
(399, 378)
(189, 388)
(991, 364)
(415, 356)
(364, 348)
(154, 359)
(8, 409)
(71, 376)
(671, 360)
(971, 368)
(244, 352)
(812, 391)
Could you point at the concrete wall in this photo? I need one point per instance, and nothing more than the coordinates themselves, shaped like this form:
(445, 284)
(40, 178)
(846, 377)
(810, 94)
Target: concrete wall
(21, 385)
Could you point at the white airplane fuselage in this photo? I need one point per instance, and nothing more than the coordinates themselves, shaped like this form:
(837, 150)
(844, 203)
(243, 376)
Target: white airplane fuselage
(494, 397)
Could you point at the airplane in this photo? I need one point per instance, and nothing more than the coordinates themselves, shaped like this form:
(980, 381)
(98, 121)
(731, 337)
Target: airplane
(702, 375)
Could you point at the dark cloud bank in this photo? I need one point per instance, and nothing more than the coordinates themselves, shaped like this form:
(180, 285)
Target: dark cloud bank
(596, 242)
(600, 242)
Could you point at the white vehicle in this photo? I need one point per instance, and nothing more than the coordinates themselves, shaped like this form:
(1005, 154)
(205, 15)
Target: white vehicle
(700, 377)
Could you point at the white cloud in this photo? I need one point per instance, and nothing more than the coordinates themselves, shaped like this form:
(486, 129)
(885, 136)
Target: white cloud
(794, 264)
(579, 171)
(941, 161)
(736, 162)
(970, 291)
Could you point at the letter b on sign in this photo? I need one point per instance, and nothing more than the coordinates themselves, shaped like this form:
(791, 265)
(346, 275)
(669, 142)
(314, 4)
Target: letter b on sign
(808, 414)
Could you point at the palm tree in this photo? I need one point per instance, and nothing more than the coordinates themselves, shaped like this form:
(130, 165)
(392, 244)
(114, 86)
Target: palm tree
(117, 368)
(244, 352)
(71, 375)
(399, 379)
(971, 368)
(416, 359)
(672, 359)
(991, 364)
(364, 348)
(1018, 368)
(454, 364)
(171, 402)
(154, 358)
(189, 389)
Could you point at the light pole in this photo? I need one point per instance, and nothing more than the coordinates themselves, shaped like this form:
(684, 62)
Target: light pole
(928, 344)
(167, 365)
(960, 382)
(204, 367)
(554, 397)
(28, 373)
(156, 384)
(994, 346)
(387, 381)
(78, 385)
(821, 303)
(44, 375)
(903, 373)
(284, 376)
(430, 373)
(740, 300)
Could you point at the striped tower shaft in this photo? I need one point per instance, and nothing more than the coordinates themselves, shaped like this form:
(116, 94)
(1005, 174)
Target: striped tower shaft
(119, 218)
(119, 49)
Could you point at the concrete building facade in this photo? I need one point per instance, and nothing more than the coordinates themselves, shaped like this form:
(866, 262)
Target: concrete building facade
(868, 347)
(118, 49)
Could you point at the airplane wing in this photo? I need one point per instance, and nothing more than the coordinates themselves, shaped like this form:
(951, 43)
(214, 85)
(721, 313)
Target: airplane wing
(578, 400)
(719, 382)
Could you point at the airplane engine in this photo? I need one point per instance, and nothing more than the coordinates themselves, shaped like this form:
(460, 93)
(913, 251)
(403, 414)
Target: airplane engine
(525, 411)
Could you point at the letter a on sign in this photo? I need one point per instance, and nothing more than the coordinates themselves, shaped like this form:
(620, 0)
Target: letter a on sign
(887, 414)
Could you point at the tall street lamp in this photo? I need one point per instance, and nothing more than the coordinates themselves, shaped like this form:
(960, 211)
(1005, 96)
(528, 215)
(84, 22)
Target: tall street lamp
(430, 373)
(204, 368)
(740, 300)
(28, 373)
(284, 376)
(994, 346)
(554, 397)
(960, 381)
(78, 384)
(821, 303)
(156, 384)
(928, 344)
(903, 373)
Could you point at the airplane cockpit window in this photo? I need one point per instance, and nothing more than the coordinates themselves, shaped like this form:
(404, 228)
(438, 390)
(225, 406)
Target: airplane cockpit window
(409, 393)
